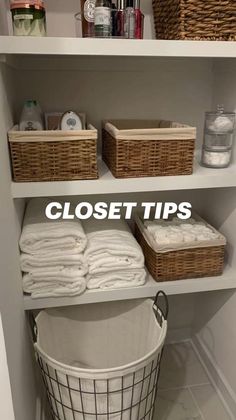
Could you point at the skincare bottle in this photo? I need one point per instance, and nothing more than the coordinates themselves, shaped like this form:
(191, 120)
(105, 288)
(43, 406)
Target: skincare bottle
(87, 14)
(138, 20)
(121, 18)
(31, 117)
(102, 19)
(113, 19)
(129, 19)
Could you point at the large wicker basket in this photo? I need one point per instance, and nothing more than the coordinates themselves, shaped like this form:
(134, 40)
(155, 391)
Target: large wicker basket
(53, 155)
(133, 148)
(201, 261)
(195, 19)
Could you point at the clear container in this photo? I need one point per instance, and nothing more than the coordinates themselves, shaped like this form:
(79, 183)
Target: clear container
(218, 138)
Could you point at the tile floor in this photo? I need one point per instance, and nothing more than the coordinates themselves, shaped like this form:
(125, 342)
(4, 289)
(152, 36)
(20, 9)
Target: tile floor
(185, 391)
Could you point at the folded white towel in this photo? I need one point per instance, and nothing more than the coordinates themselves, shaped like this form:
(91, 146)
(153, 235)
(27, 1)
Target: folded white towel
(40, 234)
(57, 262)
(117, 279)
(111, 249)
(173, 233)
(51, 287)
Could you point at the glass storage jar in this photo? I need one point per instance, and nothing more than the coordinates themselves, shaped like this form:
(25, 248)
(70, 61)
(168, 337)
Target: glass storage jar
(218, 138)
(28, 18)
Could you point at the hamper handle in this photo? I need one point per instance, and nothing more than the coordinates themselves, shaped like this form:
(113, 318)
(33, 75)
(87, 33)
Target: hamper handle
(33, 327)
(164, 312)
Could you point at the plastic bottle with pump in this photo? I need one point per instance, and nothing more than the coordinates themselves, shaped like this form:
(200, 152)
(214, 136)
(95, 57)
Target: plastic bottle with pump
(31, 117)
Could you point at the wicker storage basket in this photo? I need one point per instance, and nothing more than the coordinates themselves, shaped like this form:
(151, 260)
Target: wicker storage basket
(181, 263)
(53, 155)
(195, 19)
(133, 148)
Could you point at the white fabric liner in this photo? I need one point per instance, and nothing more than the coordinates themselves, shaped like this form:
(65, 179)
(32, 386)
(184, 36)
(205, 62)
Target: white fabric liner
(17, 136)
(149, 130)
(104, 340)
(112, 349)
(167, 248)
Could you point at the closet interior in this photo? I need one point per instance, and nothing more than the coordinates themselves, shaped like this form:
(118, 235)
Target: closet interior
(106, 79)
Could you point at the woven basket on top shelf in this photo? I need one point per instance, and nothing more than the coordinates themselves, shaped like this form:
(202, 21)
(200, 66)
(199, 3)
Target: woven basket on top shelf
(136, 148)
(195, 19)
(201, 261)
(53, 155)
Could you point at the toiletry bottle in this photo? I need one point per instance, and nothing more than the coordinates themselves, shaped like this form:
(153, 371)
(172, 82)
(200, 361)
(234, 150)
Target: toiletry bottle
(113, 19)
(87, 13)
(102, 19)
(121, 18)
(31, 117)
(138, 20)
(129, 19)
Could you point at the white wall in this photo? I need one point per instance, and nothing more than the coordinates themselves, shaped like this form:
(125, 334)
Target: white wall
(215, 312)
(177, 89)
(4, 15)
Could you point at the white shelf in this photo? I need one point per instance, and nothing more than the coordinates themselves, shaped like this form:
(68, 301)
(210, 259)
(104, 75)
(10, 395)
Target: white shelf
(115, 47)
(107, 184)
(226, 281)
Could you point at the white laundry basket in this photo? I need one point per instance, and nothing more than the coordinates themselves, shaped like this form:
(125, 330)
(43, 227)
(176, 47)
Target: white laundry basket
(101, 361)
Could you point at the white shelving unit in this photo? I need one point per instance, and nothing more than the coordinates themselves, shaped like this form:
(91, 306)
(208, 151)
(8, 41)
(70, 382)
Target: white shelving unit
(227, 281)
(178, 80)
(107, 184)
(115, 47)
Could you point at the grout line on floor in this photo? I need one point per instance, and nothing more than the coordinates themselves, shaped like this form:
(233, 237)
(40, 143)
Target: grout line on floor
(175, 388)
(196, 403)
(171, 343)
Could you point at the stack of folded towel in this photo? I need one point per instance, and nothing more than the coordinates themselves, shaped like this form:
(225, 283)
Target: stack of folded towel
(114, 258)
(179, 232)
(52, 258)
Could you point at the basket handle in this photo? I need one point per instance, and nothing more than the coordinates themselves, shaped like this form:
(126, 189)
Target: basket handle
(33, 327)
(164, 312)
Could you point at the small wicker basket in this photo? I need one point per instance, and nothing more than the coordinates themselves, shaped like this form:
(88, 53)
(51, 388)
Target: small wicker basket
(53, 155)
(195, 19)
(182, 263)
(135, 148)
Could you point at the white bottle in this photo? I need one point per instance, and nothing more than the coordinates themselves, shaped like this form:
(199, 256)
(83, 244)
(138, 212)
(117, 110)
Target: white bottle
(31, 117)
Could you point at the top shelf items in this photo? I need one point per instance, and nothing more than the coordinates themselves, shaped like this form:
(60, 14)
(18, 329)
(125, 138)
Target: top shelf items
(114, 47)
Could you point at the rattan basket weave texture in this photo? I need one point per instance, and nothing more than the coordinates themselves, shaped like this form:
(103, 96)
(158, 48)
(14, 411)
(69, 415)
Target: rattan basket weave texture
(195, 19)
(130, 157)
(53, 157)
(183, 263)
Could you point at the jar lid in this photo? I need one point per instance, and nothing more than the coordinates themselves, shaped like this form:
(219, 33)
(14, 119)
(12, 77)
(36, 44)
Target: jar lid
(37, 4)
(32, 2)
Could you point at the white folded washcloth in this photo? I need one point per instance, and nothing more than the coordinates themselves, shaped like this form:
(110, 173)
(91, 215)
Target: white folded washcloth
(111, 246)
(55, 261)
(40, 234)
(52, 288)
(117, 279)
(177, 234)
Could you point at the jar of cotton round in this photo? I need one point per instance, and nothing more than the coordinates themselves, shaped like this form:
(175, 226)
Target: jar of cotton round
(218, 138)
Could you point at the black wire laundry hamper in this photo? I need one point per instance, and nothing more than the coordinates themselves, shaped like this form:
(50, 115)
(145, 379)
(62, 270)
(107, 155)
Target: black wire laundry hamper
(102, 362)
